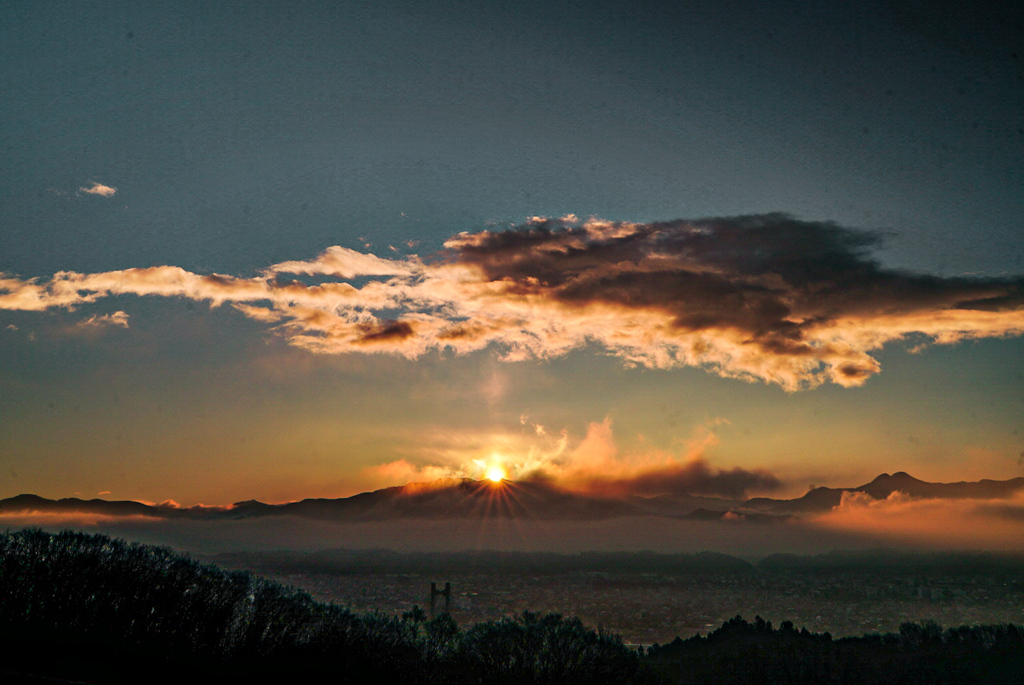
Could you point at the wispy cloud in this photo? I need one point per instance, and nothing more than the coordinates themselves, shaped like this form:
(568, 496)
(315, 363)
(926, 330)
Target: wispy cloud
(765, 297)
(103, 320)
(402, 471)
(95, 188)
(346, 263)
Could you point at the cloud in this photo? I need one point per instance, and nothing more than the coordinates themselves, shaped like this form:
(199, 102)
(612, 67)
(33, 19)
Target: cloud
(98, 189)
(346, 263)
(592, 462)
(402, 471)
(69, 289)
(762, 298)
(697, 477)
(102, 320)
(1009, 511)
(934, 523)
(597, 465)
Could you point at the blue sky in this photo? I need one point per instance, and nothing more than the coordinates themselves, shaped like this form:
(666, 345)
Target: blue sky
(225, 138)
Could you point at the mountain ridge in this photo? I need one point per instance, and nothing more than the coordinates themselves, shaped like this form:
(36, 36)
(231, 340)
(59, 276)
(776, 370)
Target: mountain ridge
(883, 486)
(467, 498)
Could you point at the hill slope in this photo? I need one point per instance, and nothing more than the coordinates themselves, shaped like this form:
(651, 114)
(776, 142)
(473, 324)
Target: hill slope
(93, 609)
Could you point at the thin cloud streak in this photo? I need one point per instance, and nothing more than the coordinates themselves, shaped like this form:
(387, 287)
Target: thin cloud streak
(118, 318)
(760, 298)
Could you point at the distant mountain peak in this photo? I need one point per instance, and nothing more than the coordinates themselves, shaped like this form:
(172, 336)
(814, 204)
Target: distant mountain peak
(899, 476)
(26, 497)
(248, 503)
(884, 485)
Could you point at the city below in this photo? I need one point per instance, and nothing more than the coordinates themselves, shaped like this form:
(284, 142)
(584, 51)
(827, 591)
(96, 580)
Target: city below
(650, 598)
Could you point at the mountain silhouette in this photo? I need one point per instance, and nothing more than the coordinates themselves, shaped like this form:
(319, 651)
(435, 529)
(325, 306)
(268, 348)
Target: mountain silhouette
(34, 504)
(441, 499)
(823, 499)
(465, 498)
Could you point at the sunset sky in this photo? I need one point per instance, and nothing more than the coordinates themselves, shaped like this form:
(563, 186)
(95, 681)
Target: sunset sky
(266, 250)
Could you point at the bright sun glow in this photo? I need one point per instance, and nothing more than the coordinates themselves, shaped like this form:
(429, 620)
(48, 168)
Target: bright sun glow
(495, 474)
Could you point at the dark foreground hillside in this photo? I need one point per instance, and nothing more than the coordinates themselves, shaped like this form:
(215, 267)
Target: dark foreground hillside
(88, 608)
(91, 609)
(920, 654)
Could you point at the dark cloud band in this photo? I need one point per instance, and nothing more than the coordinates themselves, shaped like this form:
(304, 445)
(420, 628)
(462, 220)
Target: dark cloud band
(766, 297)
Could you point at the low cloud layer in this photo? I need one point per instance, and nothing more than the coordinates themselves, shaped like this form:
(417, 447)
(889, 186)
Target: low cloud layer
(766, 297)
(928, 523)
(862, 524)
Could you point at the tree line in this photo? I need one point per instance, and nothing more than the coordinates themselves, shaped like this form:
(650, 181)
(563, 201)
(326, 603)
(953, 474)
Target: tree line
(922, 653)
(94, 609)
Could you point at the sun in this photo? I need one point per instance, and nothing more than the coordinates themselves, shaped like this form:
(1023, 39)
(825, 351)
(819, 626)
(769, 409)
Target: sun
(495, 474)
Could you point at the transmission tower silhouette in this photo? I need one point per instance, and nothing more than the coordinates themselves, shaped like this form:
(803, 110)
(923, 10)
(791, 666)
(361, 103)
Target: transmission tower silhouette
(435, 593)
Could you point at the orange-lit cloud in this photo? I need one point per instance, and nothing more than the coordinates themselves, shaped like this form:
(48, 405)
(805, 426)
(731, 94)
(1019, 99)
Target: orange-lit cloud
(343, 262)
(935, 523)
(98, 189)
(593, 463)
(767, 297)
(102, 320)
(402, 471)
(597, 465)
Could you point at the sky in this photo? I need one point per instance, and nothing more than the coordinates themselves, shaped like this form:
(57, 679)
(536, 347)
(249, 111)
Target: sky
(257, 250)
